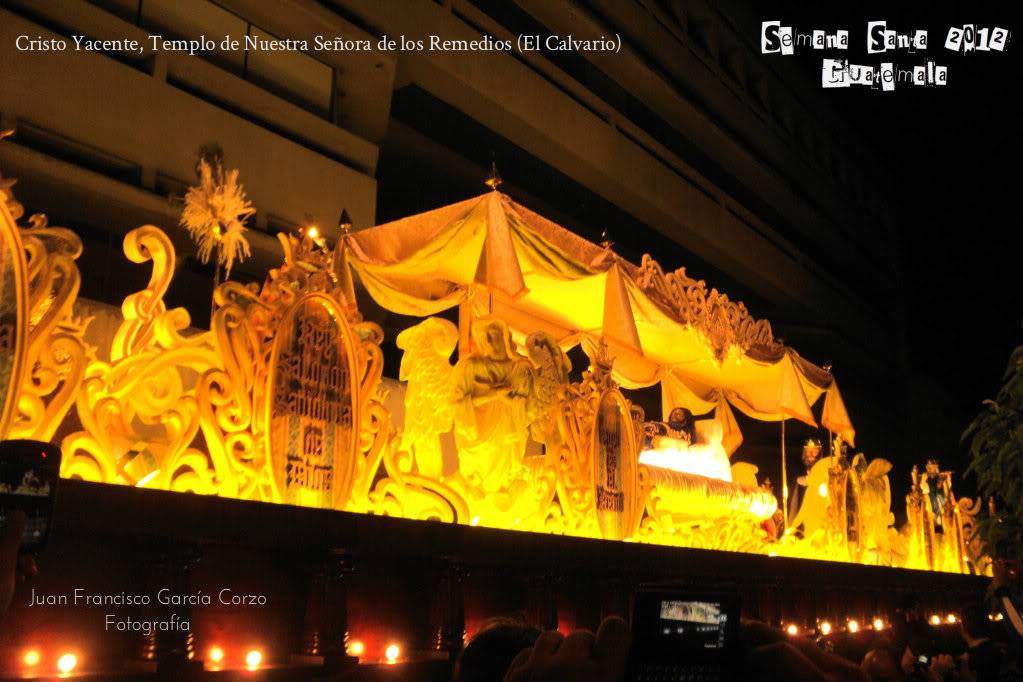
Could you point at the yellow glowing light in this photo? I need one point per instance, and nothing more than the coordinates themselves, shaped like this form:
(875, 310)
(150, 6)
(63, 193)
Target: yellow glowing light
(825, 628)
(853, 626)
(701, 459)
(254, 658)
(995, 616)
(67, 663)
(935, 619)
(792, 629)
(694, 480)
(216, 655)
(147, 478)
(356, 648)
(951, 618)
(31, 657)
(878, 624)
(392, 652)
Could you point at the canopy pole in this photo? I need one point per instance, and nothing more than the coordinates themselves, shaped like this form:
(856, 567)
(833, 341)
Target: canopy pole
(464, 328)
(784, 479)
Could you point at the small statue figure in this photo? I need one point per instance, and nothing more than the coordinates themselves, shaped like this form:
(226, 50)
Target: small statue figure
(874, 503)
(679, 445)
(551, 368)
(429, 397)
(815, 505)
(491, 389)
(811, 453)
(678, 432)
(936, 484)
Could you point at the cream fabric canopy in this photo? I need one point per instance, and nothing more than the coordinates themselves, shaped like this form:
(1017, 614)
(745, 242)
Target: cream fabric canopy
(704, 350)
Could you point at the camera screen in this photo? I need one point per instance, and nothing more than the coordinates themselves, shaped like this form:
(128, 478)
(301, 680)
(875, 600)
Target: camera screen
(694, 624)
(26, 483)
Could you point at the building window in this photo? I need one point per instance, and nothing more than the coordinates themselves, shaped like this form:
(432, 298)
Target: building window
(294, 75)
(189, 19)
(291, 75)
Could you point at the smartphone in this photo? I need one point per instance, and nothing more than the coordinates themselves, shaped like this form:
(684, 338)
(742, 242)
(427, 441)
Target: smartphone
(29, 471)
(683, 634)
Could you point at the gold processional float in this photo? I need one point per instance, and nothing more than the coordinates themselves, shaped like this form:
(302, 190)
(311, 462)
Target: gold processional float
(283, 400)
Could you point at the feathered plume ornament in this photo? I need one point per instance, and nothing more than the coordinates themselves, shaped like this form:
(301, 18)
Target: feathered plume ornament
(215, 213)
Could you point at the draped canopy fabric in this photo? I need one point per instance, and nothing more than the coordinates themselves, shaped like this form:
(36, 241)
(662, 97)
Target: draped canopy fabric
(509, 262)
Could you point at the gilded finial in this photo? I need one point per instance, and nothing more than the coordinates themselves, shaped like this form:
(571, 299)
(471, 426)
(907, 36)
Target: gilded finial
(605, 240)
(493, 180)
(344, 223)
(602, 360)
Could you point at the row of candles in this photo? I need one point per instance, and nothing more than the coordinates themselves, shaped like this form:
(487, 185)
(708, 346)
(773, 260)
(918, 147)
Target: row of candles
(217, 656)
(852, 626)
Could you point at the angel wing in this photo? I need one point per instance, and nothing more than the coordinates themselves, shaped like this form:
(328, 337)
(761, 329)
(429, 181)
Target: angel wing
(429, 397)
(878, 493)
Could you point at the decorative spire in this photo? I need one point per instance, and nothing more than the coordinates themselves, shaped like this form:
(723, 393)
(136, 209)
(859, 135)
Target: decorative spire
(344, 223)
(493, 180)
(605, 240)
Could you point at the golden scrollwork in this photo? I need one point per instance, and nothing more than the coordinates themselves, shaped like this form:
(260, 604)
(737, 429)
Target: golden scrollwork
(139, 412)
(727, 533)
(55, 354)
(187, 412)
(13, 312)
(41, 338)
(723, 322)
(968, 511)
(14, 209)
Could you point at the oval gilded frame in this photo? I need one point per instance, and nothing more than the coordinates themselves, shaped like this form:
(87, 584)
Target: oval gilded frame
(344, 475)
(629, 466)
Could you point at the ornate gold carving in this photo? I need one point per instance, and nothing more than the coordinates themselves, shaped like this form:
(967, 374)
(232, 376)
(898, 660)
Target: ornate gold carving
(588, 456)
(968, 510)
(312, 404)
(723, 322)
(196, 412)
(13, 313)
(139, 412)
(7, 189)
(727, 533)
(56, 354)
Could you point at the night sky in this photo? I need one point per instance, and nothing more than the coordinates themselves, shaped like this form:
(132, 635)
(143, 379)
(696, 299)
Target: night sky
(955, 153)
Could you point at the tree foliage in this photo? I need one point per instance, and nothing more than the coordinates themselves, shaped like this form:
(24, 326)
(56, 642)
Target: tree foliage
(995, 439)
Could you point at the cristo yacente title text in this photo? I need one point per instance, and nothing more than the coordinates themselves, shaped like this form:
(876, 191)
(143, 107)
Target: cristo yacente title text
(318, 43)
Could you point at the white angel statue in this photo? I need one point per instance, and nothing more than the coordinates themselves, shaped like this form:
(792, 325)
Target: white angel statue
(429, 397)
